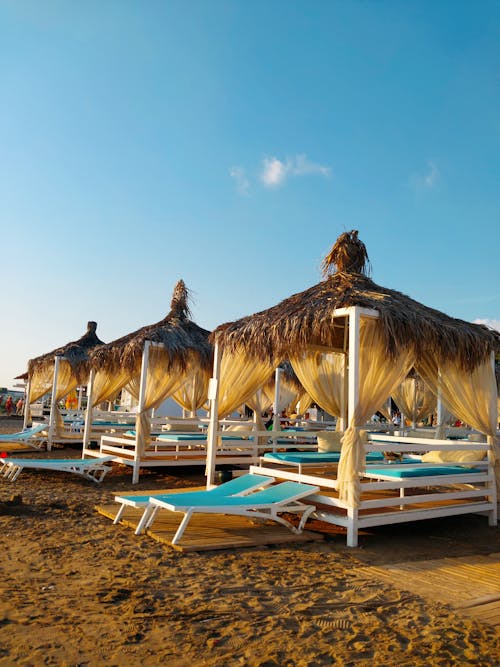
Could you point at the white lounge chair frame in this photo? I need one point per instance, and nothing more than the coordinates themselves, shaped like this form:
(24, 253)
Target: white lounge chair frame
(91, 469)
(35, 437)
(265, 504)
(240, 486)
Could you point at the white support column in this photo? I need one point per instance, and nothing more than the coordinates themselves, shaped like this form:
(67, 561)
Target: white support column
(80, 396)
(276, 410)
(414, 411)
(345, 390)
(53, 405)
(213, 425)
(26, 409)
(439, 410)
(140, 410)
(88, 413)
(353, 394)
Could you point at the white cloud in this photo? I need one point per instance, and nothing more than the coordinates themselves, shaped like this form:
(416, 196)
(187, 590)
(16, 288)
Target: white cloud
(242, 182)
(494, 324)
(427, 180)
(275, 172)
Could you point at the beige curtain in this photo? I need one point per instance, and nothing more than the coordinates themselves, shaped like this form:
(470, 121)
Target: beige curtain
(240, 377)
(160, 384)
(193, 393)
(42, 381)
(378, 378)
(322, 376)
(287, 394)
(414, 399)
(471, 396)
(304, 401)
(259, 402)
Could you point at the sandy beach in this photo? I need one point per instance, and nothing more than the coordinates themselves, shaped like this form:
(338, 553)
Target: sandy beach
(76, 590)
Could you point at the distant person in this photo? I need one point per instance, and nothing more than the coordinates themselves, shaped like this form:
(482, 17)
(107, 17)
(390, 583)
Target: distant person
(9, 406)
(19, 407)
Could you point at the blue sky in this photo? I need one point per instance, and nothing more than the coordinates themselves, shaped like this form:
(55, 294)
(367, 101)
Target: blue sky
(229, 143)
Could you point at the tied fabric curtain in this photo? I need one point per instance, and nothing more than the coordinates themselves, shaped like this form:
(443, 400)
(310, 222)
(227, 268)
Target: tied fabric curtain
(160, 384)
(286, 397)
(41, 384)
(471, 396)
(259, 403)
(414, 399)
(193, 393)
(379, 376)
(240, 377)
(322, 376)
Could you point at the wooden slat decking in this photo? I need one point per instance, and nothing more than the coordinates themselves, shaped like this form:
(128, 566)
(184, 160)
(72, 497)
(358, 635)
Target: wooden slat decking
(210, 531)
(470, 584)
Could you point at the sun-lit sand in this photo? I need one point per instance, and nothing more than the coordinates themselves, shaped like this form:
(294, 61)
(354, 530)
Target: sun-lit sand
(76, 590)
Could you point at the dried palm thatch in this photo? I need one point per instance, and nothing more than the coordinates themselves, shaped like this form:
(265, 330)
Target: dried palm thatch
(182, 339)
(76, 353)
(307, 318)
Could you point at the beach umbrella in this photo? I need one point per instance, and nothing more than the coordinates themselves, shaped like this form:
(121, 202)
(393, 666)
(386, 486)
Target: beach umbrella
(60, 371)
(381, 333)
(153, 363)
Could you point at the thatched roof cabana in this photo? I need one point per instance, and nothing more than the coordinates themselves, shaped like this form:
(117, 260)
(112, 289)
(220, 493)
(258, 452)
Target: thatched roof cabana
(307, 318)
(76, 353)
(172, 357)
(176, 332)
(75, 356)
(348, 331)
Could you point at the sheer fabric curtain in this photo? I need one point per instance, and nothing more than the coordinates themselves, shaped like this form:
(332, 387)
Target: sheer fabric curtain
(287, 395)
(160, 384)
(240, 377)
(471, 396)
(193, 393)
(322, 376)
(378, 378)
(414, 399)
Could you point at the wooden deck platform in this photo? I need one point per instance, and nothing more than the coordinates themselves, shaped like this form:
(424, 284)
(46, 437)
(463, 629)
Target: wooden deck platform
(469, 584)
(210, 531)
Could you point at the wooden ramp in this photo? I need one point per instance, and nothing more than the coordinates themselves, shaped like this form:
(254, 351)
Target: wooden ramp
(210, 531)
(470, 584)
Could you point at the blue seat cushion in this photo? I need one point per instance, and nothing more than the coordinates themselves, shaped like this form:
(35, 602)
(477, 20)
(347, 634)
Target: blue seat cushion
(421, 472)
(316, 457)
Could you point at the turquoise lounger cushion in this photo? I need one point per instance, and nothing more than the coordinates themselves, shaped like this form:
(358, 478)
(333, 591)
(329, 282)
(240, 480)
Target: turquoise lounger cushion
(197, 437)
(401, 473)
(316, 457)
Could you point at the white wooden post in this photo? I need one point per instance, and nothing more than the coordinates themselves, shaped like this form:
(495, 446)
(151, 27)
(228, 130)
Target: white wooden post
(26, 410)
(140, 410)
(414, 412)
(53, 406)
(88, 413)
(439, 410)
(213, 425)
(277, 386)
(276, 410)
(353, 394)
(80, 396)
(345, 389)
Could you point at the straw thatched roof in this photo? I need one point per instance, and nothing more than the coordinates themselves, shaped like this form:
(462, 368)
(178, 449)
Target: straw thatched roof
(75, 352)
(179, 335)
(307, 318)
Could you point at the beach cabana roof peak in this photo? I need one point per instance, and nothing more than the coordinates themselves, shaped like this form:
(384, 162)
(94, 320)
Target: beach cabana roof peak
(308, 319)
(179, 335)
(347, 255)
(75, 352)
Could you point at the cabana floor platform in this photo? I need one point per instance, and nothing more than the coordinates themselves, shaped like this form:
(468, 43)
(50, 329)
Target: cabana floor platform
(470, 584)
(209, 532)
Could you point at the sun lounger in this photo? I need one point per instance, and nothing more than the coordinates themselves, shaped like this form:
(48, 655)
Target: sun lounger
(264, 504)
(92, 469)
(32, 437)
(239, 486)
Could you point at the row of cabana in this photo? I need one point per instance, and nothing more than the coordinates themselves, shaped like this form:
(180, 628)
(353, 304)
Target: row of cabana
(350, 342)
